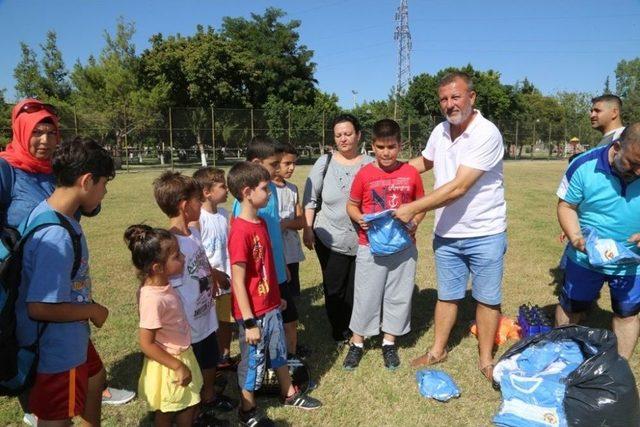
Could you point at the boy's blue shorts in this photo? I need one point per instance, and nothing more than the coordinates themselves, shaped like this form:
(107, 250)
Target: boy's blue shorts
(582, 286)
(253, 362)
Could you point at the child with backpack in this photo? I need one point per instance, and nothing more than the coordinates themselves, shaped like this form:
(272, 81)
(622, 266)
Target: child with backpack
(54, 308)
(170, 380)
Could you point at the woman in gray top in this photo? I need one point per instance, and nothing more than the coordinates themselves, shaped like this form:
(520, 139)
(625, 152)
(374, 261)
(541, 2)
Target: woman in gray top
(329, 229)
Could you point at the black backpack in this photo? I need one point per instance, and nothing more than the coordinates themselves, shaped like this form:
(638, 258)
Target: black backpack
(18, 365)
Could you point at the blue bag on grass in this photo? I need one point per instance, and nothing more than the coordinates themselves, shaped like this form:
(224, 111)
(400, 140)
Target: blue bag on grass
(386, 234)
(436, 385)
(607, 251)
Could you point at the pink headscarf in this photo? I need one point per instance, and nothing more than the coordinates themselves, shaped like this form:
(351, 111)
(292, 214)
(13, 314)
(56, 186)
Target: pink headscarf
(17, 152)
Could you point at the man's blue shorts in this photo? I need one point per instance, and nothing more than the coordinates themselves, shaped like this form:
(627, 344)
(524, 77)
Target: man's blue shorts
(481, 257)
(582, 286)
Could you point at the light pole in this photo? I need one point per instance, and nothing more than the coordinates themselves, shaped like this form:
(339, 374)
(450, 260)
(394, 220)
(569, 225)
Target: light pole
(355, 93)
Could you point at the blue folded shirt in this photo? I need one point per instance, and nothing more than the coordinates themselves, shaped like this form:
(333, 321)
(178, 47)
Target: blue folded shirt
(386, 234)
(607, 251)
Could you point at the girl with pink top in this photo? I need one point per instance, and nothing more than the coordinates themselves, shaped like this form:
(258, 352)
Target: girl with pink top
(170, 380)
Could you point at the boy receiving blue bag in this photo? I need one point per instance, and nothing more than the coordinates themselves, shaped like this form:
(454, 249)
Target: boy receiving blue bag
(382, 280)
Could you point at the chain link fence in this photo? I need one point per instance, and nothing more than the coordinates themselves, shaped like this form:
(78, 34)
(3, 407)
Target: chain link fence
(191, 135)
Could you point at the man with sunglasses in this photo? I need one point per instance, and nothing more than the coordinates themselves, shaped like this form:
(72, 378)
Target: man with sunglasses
(26, 179)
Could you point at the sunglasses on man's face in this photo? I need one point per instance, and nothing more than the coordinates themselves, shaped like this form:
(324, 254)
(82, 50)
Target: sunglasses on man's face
(33, 107)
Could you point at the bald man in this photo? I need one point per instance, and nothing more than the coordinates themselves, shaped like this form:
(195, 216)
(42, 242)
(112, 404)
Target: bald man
(601, 189)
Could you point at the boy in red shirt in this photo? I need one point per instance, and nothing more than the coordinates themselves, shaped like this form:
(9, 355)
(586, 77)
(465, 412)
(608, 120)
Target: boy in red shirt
(256, 296)
(382, 280)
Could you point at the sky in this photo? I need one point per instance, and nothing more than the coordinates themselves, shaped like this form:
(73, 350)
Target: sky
(561, 45)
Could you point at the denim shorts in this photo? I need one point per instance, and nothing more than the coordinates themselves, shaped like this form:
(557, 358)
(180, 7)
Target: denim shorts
(481, 257)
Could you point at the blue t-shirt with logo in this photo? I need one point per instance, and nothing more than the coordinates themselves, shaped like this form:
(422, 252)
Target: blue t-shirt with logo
(604, 202)
(46, 278)
(271, 216)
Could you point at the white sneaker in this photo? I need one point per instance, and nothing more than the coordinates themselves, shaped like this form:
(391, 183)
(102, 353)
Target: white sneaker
(30, 420)
(116, 396)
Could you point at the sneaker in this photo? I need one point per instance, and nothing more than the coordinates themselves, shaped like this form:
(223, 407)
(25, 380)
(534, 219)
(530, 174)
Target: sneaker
(299, 400)
(116, 396)
(227, 362)
(205, 419)
(30, 419)
(221, 403)
(352, 360)
(302, 351)
(253, 418)
(390, 356)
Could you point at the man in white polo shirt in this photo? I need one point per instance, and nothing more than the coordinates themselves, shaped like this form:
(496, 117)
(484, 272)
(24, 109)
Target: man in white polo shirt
(465, 153)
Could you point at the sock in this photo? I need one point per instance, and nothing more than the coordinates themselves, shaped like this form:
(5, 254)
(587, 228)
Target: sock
(387, 342)
(358, 344)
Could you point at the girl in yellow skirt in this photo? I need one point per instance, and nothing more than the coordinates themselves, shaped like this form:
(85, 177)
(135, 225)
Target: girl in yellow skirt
(170, 380)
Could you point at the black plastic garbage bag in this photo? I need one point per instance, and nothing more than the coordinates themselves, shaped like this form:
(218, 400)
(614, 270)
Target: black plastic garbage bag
(602, 390)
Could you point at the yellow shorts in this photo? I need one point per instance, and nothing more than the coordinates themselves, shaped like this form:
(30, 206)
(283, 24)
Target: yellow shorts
(223, 308)
(157, 388)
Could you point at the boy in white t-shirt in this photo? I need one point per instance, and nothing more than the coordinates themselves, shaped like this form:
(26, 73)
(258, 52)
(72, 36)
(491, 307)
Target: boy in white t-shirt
(291, 221)
(179, 197)
(214, 230)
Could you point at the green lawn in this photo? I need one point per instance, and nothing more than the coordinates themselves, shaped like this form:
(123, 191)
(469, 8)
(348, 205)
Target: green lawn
(369, 394)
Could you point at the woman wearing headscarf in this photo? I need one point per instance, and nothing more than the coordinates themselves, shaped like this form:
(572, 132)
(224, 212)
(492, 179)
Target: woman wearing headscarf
(26, 179)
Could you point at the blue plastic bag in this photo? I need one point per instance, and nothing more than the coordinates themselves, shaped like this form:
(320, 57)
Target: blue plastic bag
(607, 251)
(386, 234)
(436, 385)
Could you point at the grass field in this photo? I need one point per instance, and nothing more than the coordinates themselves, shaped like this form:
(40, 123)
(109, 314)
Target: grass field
(370, 394)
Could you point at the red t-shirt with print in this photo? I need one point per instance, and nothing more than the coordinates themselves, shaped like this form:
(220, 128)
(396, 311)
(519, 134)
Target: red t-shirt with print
(376, 190)
(249, 243)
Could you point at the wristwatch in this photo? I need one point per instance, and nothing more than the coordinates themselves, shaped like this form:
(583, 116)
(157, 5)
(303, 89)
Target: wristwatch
(249, 323)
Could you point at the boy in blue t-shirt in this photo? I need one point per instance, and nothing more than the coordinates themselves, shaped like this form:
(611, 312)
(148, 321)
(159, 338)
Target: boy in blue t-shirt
(70, 375)
(267, 153)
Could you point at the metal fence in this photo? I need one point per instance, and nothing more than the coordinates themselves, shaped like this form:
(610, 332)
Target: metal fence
(184, 134)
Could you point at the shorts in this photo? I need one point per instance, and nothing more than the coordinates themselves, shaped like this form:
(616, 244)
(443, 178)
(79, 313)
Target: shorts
(62, 395)
(582, 286)
(383, 286)
(156, 384)
(481, 257)
(253, 362)
(290, 313)
(223, 309)
(294, 283)
(206, 352)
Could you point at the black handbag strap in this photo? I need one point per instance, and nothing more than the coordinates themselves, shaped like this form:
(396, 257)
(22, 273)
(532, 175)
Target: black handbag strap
(324, 173)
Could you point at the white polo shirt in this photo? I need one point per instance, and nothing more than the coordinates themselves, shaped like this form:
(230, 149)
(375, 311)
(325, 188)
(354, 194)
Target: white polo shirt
(483, 210)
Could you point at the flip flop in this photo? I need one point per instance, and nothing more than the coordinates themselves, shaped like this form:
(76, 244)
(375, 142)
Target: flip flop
(428, 359)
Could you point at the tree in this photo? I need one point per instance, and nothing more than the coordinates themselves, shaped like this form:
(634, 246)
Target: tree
(628, 88)
(109, 93)
(54, 81)
(5, 120)
(273, 60)
(27, 74)
(308, 122)
(607, 89)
